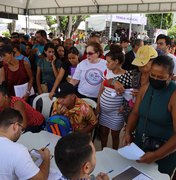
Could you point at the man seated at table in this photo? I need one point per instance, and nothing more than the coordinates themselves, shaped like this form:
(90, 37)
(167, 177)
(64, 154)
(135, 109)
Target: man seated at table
(75, 157)
(16, 162)
(81, 115)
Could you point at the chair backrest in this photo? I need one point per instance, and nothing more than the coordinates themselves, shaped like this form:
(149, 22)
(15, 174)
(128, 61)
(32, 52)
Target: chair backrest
(90, 102)
(43, 104)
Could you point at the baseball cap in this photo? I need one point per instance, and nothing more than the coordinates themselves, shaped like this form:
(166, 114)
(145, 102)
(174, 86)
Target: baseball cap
(144, 54)
(65, 89)
(15, 35)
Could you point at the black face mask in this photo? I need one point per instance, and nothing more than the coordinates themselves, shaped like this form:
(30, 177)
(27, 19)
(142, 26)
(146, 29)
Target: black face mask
(157, 84)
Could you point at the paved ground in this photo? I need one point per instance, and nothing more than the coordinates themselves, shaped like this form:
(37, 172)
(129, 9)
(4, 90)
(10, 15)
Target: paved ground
(97, 142)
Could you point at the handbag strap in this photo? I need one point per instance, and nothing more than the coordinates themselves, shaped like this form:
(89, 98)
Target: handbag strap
(146, 118)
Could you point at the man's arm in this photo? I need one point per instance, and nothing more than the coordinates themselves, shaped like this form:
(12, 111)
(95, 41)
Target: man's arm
(44, 167)
(91, 121)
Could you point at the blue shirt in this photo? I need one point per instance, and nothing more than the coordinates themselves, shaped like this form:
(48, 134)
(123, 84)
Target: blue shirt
(22, 57)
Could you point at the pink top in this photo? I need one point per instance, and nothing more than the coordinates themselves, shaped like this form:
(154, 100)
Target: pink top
(34, 118)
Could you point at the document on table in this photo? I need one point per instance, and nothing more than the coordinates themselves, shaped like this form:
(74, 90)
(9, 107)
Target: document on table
(131, 173)
(132, 152)
(20, 90)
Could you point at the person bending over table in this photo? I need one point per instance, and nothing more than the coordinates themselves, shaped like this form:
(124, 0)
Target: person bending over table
(32, 120)
(16, 162)
(153, 117)
(81, 115)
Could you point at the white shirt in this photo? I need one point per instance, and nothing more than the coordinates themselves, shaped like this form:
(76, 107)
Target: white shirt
(174, 59)
(15, 161)
(90, 77)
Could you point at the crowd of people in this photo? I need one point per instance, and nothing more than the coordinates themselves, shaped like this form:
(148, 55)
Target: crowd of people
(146, 74)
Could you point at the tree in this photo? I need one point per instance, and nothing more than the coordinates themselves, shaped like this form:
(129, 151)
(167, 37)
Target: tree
(160, 21)
(50, 20)
(66, 24)
(172, 31)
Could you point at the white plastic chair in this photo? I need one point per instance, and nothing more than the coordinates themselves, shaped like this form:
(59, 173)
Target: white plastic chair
(90, 102)
(46, 103)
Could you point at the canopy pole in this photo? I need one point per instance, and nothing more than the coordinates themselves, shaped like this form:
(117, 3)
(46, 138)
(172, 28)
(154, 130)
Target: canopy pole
(26, 19)
(130, 26)
(110, 27)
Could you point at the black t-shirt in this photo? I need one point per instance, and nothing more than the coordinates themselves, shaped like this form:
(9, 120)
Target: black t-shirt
(66, 65)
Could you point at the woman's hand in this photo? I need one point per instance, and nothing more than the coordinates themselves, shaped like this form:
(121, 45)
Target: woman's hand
(119, 87)
(51, 94)
(127, 139)
(148, 157)
(54, 59)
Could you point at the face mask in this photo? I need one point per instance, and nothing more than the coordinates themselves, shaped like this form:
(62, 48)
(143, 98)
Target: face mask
(157, 84)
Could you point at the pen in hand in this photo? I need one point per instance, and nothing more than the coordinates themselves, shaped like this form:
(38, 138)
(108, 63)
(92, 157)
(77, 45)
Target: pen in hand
(46, 146)
(110, 171)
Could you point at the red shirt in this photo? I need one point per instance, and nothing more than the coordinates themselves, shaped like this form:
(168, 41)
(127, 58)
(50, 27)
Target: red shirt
(34, 118)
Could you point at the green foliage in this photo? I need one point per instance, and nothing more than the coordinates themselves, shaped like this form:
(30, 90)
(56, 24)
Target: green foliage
(50, 20)
(6, 34)
(172, 31)
(163, 21)
(64, 20)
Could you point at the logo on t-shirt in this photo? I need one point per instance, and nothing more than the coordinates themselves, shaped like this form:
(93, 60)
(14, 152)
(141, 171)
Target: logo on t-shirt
(93, 76)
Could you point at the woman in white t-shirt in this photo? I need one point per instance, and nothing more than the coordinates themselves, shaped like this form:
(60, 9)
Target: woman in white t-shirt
(109, 103)
(89, 72)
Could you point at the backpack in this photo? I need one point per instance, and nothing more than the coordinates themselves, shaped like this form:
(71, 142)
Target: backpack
(59, 125)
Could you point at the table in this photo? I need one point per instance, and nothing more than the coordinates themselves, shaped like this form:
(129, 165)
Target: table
(107, 159)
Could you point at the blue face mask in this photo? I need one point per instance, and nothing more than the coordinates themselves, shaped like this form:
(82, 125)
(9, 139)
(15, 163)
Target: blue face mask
(157, 84)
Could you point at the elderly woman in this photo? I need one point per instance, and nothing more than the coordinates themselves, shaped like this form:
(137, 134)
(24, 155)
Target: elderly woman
(153, 117)
(89, 72)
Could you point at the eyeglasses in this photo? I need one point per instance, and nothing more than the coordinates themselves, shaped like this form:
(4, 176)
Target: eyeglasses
(22, 127)
(90, 53)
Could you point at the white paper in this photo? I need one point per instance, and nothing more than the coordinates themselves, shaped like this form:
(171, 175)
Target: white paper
(132, 152)
(128, 94)
(36, 157)
(20, 90)
(141, 177)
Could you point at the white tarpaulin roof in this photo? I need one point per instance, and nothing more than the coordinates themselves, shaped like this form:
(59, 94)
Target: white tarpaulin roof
(61, 7)
(98, 22)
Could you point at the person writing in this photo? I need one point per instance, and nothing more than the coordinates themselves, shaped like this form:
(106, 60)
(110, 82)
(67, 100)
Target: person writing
(16, 162)
(153, 117)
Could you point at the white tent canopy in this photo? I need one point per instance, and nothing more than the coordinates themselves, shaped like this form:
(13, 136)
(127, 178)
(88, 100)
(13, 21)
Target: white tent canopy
(65, 7)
